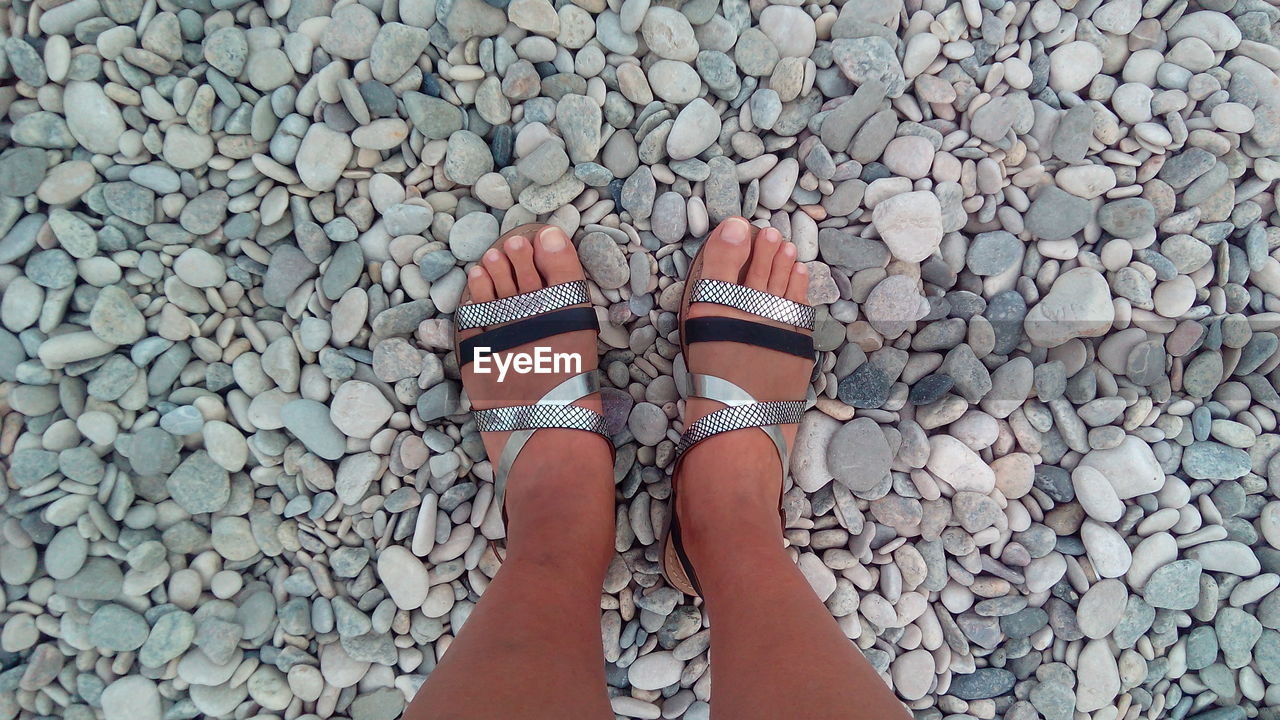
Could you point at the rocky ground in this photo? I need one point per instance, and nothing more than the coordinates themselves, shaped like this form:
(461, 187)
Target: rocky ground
(1039, 476)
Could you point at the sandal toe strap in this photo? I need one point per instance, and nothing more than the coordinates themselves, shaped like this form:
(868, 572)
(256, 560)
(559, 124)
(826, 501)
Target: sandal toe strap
(757, 302)
(524, 305)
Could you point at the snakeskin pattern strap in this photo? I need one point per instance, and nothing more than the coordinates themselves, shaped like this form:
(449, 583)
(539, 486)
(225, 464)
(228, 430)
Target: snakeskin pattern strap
(518, 307)
(738, 417)
(756, 302)
(536, 417)
(552, 410)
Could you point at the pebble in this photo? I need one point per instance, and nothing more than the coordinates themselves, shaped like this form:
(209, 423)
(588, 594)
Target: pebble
(1174, 586)
(359, 409)
(654, 671)
(131, 697)
(404, 577)
(1078, 305)
(859, 455)
(310, 422)
(322, 156)
(910, 224)
(695, 129)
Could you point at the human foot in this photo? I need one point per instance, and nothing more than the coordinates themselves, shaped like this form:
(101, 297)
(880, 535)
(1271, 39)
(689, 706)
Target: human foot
(516, 345)
(734, 478)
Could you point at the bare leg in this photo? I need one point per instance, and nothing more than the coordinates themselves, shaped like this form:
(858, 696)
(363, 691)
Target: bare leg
(776, 651)
(532, 649)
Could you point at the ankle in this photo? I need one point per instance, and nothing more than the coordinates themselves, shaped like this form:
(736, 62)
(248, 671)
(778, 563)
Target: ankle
(726, 506)
(557, 507)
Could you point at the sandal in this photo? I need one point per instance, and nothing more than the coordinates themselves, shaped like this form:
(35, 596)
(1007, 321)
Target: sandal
(517, 320)
(741, 409)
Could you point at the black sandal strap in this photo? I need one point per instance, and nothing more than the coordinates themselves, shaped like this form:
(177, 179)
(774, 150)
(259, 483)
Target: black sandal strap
(528, 330)
(724, 329)
(678, 544)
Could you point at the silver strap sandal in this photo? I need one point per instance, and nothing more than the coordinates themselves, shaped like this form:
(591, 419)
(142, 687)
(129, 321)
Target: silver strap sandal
(519, 320)
(742, 410)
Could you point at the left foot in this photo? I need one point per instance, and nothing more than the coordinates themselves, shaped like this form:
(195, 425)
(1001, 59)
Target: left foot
(557, 467)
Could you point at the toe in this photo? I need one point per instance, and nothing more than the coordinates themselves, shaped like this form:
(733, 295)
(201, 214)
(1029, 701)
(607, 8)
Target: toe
(727, 250)
(798, 284)
(480, 285)
(780, 272)
(555, 257)
(500, 270)
(763, 252)
(520, 255)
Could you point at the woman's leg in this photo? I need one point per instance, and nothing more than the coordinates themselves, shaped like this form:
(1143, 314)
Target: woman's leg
(532, 649)
(776, 651)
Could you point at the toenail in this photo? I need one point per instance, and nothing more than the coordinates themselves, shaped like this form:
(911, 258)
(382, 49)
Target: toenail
(492, 255)
(552, 240)
(476, 272)
(515, 242)
(735, 231)
(802, 269)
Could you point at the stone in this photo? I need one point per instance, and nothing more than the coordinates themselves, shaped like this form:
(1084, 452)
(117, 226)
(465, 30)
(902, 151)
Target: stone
(1073, 65)
(910, 224)
(654, 671)
(131, 697)
(696, 129)
(1107, 550)
(958, 466)
(1215, 461)
(603, 260)
(310, 422)
(435, 118)
(913, 674)
(322, 157)
(199, 269)
(1096, 494)
(992, 253)
(1175, 586)
(359, 409)
(1131, 468)
(93, 119)
(467, 158)
(404, 577)
(1057, 215)
(1097, 677)
(1101, 608)
(1078, 305)
(579, 120)
(669, 34)
(870, 59)
(199, 485)
(981, 684)
(115, 319)
(859, 456)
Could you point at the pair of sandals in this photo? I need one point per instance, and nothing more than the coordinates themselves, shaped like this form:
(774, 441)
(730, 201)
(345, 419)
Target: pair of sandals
(518, 320)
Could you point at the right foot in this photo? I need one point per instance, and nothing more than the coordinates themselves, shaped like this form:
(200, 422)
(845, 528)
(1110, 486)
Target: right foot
(548, 480)
(734, 480)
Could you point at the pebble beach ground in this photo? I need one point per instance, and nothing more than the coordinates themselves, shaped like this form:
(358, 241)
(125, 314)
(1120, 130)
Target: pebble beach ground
(1039, 474)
